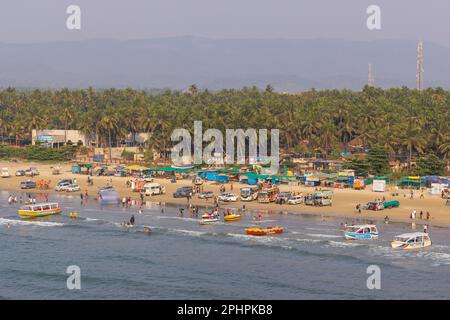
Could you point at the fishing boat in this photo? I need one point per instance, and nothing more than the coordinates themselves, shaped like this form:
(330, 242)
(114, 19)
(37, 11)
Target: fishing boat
(39, 210)
(232, 217)
(365, 231)
(410, 241)
(261, 231)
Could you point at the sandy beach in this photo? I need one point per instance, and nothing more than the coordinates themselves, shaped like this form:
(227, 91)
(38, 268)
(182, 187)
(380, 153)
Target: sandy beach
(344, 200)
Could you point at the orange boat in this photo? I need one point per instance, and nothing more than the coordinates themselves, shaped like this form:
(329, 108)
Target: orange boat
(263, 231)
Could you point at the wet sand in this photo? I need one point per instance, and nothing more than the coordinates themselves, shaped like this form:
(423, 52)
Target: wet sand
(344, 200)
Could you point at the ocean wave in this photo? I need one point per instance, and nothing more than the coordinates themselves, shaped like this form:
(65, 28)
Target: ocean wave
(190, 232)
(4, 221)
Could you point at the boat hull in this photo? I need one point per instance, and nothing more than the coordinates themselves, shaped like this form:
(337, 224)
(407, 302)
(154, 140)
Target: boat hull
(232, 218)
(33, 214)
(359, 236)
(410, 246)
(209, 221)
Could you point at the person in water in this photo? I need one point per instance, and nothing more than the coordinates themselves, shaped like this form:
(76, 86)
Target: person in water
(132, 220)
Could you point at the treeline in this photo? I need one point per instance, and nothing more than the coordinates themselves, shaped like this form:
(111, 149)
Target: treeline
(37, 153)
(406, 122)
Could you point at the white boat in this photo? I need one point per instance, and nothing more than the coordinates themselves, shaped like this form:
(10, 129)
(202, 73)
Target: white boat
(365, 231)
(410, 241)
(208, 218)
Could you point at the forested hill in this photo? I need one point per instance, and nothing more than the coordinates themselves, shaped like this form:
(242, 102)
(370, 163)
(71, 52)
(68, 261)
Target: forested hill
(287, 64)
(405, 121)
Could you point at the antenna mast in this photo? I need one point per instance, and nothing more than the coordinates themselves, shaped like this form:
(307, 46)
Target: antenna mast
(370, 77)
(419, 71)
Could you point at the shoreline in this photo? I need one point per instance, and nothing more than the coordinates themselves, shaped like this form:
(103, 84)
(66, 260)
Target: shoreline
(344, 200)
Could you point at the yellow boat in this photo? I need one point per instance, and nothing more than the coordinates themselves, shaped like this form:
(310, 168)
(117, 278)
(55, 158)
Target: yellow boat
(232, 217)
(39, 210)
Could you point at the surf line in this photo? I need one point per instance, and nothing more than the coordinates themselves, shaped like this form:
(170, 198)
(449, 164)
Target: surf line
(201, 311)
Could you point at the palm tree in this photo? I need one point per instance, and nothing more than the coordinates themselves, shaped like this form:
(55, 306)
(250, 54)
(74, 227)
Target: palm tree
(109, 123)
(66, 116)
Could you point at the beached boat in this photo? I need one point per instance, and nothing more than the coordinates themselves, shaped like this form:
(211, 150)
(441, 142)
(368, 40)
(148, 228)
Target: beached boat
(39, 210)
(410, 241)
(366, 231)
(261, 231)
(232, 217)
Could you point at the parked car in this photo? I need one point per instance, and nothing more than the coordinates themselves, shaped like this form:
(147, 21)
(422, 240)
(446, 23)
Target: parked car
(27, 184)
(62, 185)
(295, 200)
(148, 178)
(183, 192)
(5, 173)
(20, 173)
(206, 195)
(72, 188)
(120, 173)
(228, 197)
(31, 172)
(283, 197)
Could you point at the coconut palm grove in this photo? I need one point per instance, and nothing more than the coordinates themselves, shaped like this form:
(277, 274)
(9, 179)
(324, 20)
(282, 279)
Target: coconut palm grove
(407, 123)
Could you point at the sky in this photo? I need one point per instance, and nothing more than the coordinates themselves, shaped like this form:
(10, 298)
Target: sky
(25, 21)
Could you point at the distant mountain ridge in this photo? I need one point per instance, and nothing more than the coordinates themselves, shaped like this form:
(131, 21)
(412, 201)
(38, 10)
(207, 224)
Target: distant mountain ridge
(287, 64)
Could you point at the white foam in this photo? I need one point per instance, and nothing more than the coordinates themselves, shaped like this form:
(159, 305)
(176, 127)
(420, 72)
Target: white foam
(177, 218)
(337, 244)
(30, 223)
(189, 232)
(319, 235)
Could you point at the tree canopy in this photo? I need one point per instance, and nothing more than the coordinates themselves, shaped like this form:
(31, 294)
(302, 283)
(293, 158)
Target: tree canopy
(407, 123)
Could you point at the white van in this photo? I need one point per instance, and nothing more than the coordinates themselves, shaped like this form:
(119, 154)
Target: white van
(153, 188)
(5, 173)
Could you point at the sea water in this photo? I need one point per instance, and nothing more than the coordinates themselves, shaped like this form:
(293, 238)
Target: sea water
(182, 259)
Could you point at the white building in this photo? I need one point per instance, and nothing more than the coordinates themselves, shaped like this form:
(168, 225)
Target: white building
(55, 138)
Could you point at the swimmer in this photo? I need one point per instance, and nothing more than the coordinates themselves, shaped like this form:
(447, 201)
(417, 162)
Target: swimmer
(147, 230)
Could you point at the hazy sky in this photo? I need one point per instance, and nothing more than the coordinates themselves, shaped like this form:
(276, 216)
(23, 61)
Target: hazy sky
(44, 20)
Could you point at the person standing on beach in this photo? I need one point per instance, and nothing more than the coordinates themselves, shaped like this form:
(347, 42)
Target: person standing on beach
(420, 214)
(428, 215)
(425, 229)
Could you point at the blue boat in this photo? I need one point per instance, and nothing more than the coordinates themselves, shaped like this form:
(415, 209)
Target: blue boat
(366, 231)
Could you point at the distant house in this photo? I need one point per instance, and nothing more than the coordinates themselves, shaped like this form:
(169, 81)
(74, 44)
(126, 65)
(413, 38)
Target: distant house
(57, 138)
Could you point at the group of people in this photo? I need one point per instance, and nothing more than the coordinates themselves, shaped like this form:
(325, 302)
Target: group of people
(12, 199)
(413, 215)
